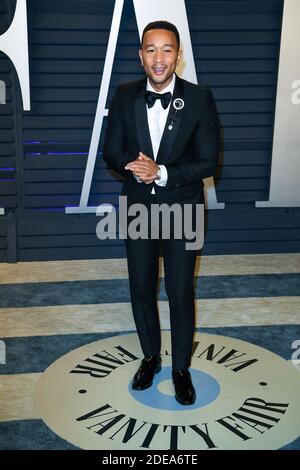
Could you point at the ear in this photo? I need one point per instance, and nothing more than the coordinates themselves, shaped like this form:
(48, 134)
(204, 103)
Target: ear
(179, 55)
(141, 57)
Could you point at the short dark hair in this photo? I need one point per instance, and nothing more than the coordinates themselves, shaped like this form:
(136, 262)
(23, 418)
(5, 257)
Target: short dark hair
(162, 25)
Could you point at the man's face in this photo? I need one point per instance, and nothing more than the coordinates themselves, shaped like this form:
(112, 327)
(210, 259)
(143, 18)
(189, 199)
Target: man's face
(159, 56)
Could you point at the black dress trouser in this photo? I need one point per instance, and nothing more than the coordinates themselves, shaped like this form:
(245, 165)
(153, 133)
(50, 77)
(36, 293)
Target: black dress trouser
(179, 266)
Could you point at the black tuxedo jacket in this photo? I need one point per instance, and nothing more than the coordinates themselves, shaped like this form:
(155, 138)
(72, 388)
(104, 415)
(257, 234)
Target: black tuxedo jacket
(189, 150)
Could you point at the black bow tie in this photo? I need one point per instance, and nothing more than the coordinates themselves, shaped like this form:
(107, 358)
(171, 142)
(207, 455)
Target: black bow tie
(151, 97)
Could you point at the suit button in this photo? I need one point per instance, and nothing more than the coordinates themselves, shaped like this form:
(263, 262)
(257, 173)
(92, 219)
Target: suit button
(177, 185)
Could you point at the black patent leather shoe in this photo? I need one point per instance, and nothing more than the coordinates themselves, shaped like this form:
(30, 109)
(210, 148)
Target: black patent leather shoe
(184, 390)
(144, 377)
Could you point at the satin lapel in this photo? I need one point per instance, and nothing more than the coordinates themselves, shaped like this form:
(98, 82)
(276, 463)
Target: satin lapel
(173, 120)
(141, 122)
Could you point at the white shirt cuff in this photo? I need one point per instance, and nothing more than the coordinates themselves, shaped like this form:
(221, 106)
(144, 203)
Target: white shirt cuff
(163, 176)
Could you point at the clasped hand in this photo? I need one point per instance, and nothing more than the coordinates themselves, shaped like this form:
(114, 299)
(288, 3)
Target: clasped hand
(144, 168)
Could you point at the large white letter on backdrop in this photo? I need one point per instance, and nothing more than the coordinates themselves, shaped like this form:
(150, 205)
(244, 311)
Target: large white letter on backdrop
(146, 11)
(14, 44)
(285, 171)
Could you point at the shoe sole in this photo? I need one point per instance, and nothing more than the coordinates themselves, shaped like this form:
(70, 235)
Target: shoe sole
(157, 370)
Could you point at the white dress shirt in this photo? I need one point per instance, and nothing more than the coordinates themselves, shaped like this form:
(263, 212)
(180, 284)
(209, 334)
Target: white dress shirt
(157, 117)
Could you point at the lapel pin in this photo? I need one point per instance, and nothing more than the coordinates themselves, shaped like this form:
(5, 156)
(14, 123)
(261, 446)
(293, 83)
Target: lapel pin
(178, 104)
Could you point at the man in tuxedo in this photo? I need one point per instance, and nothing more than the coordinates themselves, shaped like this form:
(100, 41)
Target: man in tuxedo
(162, 137)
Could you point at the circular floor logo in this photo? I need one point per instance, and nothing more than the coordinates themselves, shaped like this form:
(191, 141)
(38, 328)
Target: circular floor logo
(247, 398)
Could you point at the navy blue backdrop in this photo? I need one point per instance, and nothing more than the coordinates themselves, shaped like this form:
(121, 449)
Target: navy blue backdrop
(43, 152)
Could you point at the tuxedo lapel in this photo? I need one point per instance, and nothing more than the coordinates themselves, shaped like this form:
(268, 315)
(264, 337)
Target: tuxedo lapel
(141, 121)
(172, 125)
